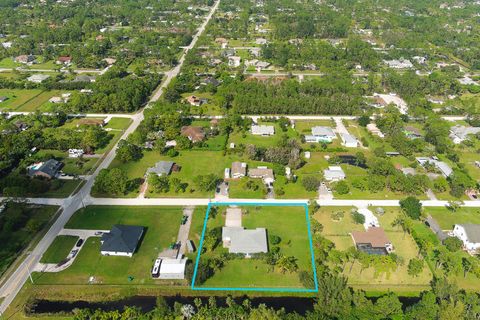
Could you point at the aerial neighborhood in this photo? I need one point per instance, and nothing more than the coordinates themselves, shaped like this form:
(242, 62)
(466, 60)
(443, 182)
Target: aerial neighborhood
(256, 159)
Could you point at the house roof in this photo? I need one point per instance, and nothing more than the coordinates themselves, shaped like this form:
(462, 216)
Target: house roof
(239, 168)
(193, 133)
(472, 231)
(173, 266)
(263, 129)
(334, 172)
(161, 168)
(49, 167)
(348, 138)
(122, 238)
(38, 77)
(375, 236)
(322, 131)
(246, 241)
(261, 173)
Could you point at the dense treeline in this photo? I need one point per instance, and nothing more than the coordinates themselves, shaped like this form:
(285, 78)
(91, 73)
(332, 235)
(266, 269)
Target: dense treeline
(115, 91)
(330, 95)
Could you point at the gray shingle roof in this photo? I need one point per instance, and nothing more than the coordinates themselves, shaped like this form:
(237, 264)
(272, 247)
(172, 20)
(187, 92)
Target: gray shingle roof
(246, 241)
(122, 238)
(472, 231)
(161, 168)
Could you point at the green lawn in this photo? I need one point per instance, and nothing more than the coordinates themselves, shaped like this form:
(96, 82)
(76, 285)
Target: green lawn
(286, 222)
(238, 189)
(66, 188)
(9, 63)
(59, 249)
(162, 228)
(118, 123)
(17, 97)
(247, 138)
(447, 219)
(305, 126)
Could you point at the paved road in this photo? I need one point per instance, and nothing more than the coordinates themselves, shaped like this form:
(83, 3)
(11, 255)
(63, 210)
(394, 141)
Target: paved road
(13, 285)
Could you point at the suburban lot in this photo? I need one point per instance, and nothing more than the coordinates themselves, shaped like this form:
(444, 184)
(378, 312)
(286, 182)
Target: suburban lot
(162, 228)
(286, 222)
(339, 233)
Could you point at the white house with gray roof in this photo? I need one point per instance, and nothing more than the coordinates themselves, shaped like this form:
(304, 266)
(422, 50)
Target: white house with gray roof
(263, 130)
(348, 140)
(458, 134)
(469, 234)
(321, 134)
(334, 173)
(245, 241)
(441, 166)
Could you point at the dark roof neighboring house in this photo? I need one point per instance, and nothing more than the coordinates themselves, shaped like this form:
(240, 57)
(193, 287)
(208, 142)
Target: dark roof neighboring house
(210, 80)
(84, 78)
(435, 227)
(48, 169)
(195, 134)
(161, 168)
(121, 239)
(372, 241)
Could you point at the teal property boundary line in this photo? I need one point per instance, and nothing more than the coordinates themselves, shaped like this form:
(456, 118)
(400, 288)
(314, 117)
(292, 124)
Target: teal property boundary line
(266, 289)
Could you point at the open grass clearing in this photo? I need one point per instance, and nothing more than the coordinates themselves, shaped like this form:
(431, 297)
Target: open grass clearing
(59, 249)
(17, 97)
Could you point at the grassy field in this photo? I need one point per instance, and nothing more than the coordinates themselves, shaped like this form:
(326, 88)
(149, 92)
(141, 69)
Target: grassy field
(447, 219)
(40, 101)
(339, 233)
(161, 230)
(247, 138)
(9, 63)
(238, 189)
(59, 249)
(17, 97)
(286, 222)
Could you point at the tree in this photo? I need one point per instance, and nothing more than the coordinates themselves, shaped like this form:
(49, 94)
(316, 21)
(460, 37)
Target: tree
(128, 152)
(412, 207)
(415, 267)
(287, 264)
(388, 306)
(342, 187)
(363, 120)
(453, 244)
(111, 181)
(159, 183)
(358, 218)
(206, 182)
(311, 183)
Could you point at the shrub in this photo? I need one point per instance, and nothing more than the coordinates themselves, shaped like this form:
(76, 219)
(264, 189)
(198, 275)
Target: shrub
(358, 218)
(453, 244)
(311, 183)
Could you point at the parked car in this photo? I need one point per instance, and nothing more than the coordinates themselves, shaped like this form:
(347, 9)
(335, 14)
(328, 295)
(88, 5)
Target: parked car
(79, 242)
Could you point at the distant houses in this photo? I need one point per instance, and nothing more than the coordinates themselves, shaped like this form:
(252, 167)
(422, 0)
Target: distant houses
(234, 61)
(122, 240)
(399, 64)
(25, 59)
(373, 129)
(383, 100)
(65, 60)
(412, 132)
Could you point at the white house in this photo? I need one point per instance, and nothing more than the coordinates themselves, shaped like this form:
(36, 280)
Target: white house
(458, 134)
(262, 130)
(173, 268)
(469, 234)
(443, 167)
(263, 173)
(348, 140)
(234, 61)
(75, 153)
(334, 173)
(321, 134)
(122, 240)
(38, 78)
(373, 129)
(399, 64)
